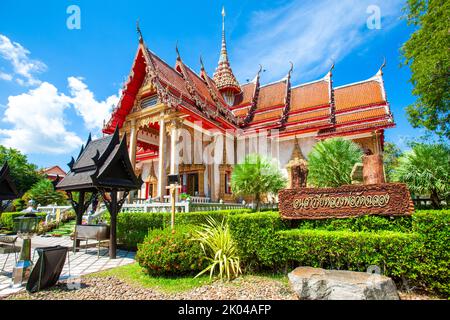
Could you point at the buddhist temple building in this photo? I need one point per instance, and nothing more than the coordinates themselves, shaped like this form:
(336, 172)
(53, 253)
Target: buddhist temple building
(172, 115)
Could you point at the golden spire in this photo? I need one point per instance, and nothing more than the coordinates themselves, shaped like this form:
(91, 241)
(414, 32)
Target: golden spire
(223, 77)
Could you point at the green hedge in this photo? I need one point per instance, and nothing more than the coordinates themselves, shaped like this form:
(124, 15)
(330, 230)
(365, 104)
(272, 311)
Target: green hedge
(133, 227)
(392, 252)
(6, 219)
(420, 255)
(433, 268)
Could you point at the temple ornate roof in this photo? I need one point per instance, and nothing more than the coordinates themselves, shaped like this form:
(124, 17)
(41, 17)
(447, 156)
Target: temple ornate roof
(8, 189)
(103, 163)
(293, 109)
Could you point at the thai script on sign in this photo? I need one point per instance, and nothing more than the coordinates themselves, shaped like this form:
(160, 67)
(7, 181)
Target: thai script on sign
(357, 200)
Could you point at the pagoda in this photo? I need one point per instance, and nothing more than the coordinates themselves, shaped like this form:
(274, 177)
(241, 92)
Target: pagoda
(160, 101)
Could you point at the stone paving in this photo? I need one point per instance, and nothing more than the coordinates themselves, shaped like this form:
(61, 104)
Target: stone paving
(81, 263)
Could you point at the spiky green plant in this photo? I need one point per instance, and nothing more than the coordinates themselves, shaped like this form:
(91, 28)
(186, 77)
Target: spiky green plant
(219, 248)
(331, 162)
(255, 177)
(426, 171)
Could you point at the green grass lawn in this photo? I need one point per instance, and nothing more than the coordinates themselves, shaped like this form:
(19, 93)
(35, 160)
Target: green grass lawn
(134, 274)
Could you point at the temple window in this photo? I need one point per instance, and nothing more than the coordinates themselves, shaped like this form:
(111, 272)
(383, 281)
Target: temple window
(149, 102)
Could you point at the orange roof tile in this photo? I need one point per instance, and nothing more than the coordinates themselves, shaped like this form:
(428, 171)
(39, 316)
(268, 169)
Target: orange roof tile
(271, 95)
(365, 114)
(310, 95)
(360, 94)
(246, 95)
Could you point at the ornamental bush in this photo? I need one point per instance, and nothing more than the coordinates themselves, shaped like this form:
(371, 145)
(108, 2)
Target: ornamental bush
(133, 227)
(164, 253)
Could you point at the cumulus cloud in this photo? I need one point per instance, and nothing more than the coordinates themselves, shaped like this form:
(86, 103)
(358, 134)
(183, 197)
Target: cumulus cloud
(310, 34)
(5, 76)
(23, 66)
(92, 111)
(38, 122)
(38, 117)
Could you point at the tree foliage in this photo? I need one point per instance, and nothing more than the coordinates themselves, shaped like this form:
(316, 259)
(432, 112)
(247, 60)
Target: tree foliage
(23, 173)
(391, 155)
(331, 162)
(427, 54)
(255, 177)
(44, 194)
(426, 171)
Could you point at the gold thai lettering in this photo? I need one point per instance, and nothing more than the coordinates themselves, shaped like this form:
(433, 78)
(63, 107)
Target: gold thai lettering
(341, 201)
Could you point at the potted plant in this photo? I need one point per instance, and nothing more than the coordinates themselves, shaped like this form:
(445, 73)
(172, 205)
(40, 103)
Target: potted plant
(185, 197)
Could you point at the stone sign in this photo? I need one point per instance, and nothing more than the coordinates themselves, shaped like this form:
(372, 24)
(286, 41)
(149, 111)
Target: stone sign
(387, 199)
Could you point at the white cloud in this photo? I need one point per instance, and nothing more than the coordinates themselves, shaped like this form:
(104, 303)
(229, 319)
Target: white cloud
(92, 111)
(38, 122)
(310, 34)
(38, 117)
(5, 76)
(23, 66)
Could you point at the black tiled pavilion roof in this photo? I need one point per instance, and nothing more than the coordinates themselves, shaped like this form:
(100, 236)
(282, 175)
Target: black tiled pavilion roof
(8, 189)
(104, 163)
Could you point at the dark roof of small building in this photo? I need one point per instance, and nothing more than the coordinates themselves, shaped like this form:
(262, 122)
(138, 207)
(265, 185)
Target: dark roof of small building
(103, 163)
(8, 189)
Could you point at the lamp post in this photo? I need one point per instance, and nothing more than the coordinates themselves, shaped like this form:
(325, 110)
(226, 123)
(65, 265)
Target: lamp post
(25, 227)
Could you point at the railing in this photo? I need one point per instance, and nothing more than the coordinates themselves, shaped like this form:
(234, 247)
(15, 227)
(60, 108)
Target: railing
(185, 206)
(52, 210)
(193, 199)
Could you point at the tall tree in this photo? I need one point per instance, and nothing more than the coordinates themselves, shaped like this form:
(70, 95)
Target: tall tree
(391, 155)
(427, 54)
(256, 176)
(426, 171)
(23, 173)
(44, 194)
(331, 161)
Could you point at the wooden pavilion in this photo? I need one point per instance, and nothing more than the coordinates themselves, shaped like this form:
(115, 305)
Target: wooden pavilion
(103, 168)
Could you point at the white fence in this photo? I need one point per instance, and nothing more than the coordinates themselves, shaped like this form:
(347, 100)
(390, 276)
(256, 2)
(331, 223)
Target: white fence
(179, 207)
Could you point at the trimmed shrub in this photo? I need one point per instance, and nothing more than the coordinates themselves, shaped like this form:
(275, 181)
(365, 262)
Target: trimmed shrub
(433, 270)
(364, 223)
(7, 218)
(392, 252)
(164, 253)
(255, 235)
(133, 227)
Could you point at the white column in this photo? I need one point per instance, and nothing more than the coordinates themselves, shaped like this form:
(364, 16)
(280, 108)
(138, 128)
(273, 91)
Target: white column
(161, 158)
(133, 142)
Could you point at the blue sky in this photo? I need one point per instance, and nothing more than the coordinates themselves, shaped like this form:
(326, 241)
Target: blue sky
(57, 84)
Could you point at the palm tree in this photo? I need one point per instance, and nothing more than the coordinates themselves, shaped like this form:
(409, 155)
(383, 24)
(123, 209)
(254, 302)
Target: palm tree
(256, 176)
(331, 162)
(426, 170)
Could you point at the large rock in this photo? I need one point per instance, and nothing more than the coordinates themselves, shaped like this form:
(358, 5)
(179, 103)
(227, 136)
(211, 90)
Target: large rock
(319, 284)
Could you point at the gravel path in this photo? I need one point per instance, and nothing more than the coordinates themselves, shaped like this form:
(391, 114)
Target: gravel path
(111, 288)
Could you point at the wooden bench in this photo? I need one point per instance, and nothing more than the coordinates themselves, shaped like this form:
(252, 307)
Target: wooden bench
(98, 232)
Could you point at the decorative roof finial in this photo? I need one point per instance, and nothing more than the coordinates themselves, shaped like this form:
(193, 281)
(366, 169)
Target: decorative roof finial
(290, 70)
(202, 66)
(223, 52)
(178, 52)
(138, 30)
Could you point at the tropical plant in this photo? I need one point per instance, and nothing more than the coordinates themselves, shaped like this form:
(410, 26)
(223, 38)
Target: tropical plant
(44, 194)
(331, 162)
(255, 177)
(426, 53)
(426, 171)
(391, 154)
(219, 248)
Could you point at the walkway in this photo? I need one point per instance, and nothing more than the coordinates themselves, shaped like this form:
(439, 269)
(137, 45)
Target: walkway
(81, 263)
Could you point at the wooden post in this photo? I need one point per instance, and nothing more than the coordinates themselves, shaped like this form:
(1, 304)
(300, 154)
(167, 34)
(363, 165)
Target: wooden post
(79, 210)
(172, 199)
(112, 233)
